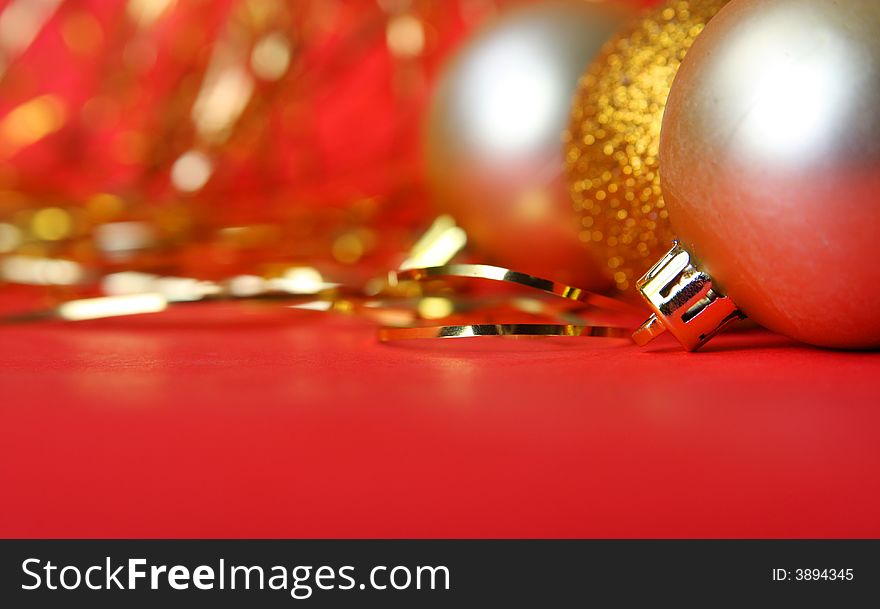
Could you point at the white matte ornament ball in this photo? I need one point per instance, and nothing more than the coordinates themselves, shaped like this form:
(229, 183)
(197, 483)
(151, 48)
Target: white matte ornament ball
(770, 164)
(494, 136)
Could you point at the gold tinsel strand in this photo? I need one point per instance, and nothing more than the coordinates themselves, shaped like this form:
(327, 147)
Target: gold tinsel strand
(612, 145)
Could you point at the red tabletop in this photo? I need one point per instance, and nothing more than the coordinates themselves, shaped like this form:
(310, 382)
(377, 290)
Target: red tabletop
(245, 422)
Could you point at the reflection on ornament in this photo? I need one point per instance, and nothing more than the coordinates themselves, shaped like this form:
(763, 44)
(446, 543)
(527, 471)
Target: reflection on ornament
(771, 164)
(493, 137)
(612, 146)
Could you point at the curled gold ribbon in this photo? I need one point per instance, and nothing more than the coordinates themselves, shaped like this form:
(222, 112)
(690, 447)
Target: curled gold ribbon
(497, 273)
(472, 330)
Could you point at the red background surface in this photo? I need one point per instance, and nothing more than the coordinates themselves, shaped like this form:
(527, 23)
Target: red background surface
(253, 422)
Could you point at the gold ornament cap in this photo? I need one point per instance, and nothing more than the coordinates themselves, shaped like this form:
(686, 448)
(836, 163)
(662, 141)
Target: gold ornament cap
(684, 301)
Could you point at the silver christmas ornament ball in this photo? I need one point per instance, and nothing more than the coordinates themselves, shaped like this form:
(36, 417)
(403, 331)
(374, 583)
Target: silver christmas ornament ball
(494, 135)
(770, 163)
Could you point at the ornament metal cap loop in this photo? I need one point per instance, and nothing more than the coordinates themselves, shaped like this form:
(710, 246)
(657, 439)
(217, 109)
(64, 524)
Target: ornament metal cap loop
(684, 302)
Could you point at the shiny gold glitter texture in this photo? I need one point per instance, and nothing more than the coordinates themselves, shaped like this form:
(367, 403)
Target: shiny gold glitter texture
(612, 145)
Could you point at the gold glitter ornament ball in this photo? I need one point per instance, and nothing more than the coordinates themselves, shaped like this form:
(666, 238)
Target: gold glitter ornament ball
(613, 141)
